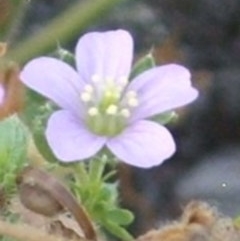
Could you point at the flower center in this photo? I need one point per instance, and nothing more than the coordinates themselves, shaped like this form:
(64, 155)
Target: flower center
(108, 105)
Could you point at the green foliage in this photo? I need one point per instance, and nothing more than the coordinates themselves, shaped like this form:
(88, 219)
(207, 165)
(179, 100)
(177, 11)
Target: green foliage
(13, 151)
(143, 64)
(100, 197)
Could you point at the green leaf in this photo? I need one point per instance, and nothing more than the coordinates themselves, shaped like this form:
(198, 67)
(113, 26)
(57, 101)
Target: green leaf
(118, 231)
(143, 64)
(100, 198)
(109, 192)
(120, 216)
(13, 150)
(96, 169)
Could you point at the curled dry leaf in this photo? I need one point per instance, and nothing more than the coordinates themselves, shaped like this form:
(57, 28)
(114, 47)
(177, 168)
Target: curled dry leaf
(62, 225)
(65, 226)
(199, 222)
(44, 194)
(25, 232)
(14, 91)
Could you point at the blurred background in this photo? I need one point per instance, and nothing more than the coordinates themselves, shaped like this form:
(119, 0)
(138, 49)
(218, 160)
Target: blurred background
(204, 36)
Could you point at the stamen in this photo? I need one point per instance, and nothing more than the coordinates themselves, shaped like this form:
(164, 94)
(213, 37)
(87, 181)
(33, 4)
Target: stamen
(95, 78)
(133, 102)
(88, 88)
(109, 115)
(131, 93)
(86, 97)
(93, 111)
(112, 110)
(125, 112)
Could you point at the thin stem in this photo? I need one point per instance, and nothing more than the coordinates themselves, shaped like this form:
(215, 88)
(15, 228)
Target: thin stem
(80, 173)
(96, 169)
(62, 29)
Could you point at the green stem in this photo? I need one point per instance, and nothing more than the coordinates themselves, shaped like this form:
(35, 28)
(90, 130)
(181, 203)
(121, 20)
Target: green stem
(63, 28)
(80, 173)
(96, 169)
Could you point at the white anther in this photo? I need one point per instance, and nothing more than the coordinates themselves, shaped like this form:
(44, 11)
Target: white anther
(131, 94)
(132, 102)
(88, 88)
(86, 97)
(112, 110)
(95, 78)
(125, 112)
(93, 111)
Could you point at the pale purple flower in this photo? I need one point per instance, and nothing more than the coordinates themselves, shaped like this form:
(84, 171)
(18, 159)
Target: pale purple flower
(2, 93)
(99, 107)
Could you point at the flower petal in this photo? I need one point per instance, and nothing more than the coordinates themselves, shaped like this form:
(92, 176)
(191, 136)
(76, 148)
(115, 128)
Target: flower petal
(162, 89)
(143, 144)
(55, 80)
(2, 94)
(69, 138)
(106, 54)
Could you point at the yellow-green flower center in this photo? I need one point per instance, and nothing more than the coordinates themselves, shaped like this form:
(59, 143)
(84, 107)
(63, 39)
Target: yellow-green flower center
(108, 105)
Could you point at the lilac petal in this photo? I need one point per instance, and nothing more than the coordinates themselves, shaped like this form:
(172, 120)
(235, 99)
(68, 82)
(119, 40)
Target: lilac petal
(55, 80)
(2, 94)
(162, 89)
(69, 139)
(143, 144)
(106, 54)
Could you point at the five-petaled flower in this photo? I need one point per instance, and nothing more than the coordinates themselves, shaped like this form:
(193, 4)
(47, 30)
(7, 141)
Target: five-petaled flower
(100, 107)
